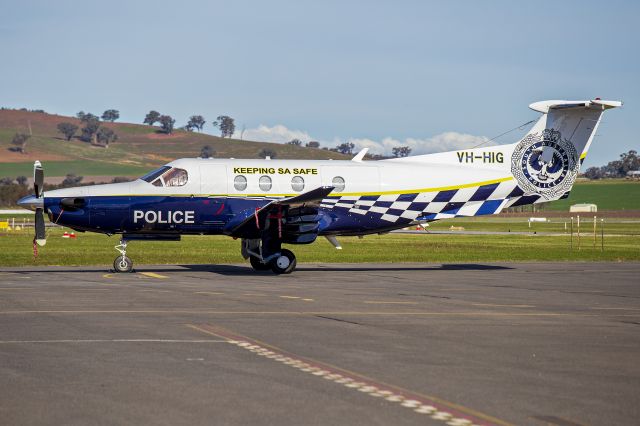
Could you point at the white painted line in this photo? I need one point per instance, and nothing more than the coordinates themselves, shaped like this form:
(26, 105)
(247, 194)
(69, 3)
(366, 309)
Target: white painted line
(366, 388)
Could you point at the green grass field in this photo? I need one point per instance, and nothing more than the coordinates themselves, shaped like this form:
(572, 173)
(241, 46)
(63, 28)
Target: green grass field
(93, 249)
(609, 194)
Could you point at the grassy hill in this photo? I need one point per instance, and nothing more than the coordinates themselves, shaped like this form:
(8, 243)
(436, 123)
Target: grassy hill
(139, 148)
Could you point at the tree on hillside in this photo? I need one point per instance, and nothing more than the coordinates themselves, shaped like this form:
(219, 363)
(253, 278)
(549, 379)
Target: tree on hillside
(313, 144)
(296, 142)
(267, 153)
(68, 130)
(207, 152)
(20, 141)
(152, 118)
(87, 117)
(88, 133)
(196, 122)
(226, 125)
(167, 123)
(105, 136)
(401, 151)
(111, 115)
(346, 148)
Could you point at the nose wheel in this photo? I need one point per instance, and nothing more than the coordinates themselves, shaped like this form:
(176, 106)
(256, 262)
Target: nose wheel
(122, 263)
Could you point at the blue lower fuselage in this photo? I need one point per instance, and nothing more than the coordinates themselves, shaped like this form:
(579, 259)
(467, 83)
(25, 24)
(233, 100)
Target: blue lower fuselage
(192, 215)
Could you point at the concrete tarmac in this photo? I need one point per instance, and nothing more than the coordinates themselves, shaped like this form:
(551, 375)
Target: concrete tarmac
(401, 344)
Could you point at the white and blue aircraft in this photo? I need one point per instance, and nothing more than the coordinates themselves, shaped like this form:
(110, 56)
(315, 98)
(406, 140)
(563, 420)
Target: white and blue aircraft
(268, 203)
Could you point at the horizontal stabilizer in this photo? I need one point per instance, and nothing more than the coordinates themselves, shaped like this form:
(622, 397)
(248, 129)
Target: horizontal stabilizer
(545, 106)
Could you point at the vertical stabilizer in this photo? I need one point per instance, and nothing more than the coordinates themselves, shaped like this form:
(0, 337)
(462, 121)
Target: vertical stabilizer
(547, 160)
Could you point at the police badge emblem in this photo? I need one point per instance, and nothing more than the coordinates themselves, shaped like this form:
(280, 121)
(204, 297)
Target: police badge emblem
(545, 164)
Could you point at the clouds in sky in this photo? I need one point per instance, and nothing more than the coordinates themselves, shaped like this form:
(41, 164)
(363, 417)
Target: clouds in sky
(447, 141)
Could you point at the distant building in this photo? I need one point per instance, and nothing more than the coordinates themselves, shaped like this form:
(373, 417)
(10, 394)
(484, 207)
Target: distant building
(633, 174)
(583, 208)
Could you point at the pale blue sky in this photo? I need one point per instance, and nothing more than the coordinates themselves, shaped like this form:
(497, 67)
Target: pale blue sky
(333, 70)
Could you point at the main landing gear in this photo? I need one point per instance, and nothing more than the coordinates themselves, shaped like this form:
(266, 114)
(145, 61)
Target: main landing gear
(280, 262)
(122, 263)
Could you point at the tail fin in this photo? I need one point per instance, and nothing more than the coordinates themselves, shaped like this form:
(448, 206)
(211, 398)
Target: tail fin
(547, 160)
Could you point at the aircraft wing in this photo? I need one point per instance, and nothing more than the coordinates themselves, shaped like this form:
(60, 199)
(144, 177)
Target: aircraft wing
(247, 222)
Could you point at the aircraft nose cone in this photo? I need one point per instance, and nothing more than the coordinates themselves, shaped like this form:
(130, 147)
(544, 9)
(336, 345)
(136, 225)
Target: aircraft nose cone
(31, 202)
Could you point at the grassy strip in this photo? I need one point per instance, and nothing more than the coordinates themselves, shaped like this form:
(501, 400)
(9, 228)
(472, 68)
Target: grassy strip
(555, 225)
(92, 249)
(77, 167)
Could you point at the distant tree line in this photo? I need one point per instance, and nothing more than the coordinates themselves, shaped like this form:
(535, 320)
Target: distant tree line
(92, 130)
(629, 161)
(224, 123)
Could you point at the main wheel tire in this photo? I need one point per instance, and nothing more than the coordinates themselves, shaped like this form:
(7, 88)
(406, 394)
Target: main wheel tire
(285, 263)
(122, 264)
(257, 264)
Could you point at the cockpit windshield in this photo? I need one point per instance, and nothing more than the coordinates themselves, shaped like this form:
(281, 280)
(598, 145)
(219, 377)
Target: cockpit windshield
(149, 177)
(167, 176)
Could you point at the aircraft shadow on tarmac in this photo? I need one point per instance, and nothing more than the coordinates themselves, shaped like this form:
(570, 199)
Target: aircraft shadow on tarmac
(239, 270)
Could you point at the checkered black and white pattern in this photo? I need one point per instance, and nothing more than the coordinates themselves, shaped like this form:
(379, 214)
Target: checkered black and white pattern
(434, 205)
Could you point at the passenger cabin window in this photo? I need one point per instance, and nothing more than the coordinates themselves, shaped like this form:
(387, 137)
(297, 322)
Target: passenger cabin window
(240, 183)
(338, 184)
(171, 176)
(265, 183)
(297, 183)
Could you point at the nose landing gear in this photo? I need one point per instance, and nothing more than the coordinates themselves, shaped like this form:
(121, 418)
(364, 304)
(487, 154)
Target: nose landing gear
(122, 263)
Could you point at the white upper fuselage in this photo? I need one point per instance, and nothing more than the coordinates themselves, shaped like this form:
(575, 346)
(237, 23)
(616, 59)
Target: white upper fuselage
(412, 174)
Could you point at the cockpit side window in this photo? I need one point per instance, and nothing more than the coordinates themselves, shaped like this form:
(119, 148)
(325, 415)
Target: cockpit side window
(167, 176)
(149, 177)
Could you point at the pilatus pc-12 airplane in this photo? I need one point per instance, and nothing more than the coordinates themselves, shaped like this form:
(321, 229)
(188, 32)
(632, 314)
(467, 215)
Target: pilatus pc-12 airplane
(269, 203)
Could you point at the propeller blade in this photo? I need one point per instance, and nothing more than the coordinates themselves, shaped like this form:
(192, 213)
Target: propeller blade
(38, 178)
(41, 237)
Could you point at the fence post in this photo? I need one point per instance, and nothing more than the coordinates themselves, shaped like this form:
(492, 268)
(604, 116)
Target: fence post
(594, 231)
(571, 233)
(578, 232)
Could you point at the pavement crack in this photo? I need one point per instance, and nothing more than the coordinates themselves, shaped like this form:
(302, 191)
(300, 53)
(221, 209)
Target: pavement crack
(337, 319)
